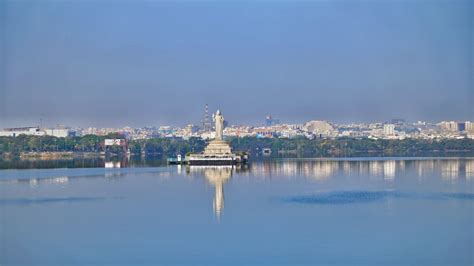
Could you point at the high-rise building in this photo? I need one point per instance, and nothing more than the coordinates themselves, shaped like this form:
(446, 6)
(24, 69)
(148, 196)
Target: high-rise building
(270, 121)
(469, 126)
(206, 122)
(449, 125)
(389, 129)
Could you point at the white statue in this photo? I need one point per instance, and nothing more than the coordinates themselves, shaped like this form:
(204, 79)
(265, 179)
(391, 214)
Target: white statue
(219, 120)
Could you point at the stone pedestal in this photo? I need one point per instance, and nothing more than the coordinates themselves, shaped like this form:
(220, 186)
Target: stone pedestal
(218, 147)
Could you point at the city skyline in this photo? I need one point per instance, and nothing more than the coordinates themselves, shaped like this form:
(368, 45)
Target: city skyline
(46, 123)
(204, 132)
(273, 128)
(155, 63)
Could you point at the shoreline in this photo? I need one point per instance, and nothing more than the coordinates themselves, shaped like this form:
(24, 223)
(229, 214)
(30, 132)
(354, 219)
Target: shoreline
(50, 155)
(93, 155)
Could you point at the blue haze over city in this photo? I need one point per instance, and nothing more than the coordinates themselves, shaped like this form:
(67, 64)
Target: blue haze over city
(140, 63)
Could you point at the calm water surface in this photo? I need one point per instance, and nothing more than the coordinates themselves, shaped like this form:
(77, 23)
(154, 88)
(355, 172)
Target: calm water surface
(278, 212)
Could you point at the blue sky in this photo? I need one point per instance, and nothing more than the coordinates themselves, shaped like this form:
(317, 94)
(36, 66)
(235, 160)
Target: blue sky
(137, 63)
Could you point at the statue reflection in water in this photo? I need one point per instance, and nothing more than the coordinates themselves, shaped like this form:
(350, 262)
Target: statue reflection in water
(217, 176)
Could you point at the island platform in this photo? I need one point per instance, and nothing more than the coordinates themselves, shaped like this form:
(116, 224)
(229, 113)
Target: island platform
(218, 151)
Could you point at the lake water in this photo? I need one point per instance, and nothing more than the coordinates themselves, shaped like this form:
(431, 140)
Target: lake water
(277, 212)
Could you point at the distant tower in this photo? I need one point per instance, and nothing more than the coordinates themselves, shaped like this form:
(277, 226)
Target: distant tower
(268, 121)
(206, 124)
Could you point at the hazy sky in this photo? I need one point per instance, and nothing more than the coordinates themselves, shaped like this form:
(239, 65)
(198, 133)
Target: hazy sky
(137, 63)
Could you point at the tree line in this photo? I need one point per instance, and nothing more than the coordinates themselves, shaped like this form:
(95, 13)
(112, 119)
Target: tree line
(297, 147)
(303, 147)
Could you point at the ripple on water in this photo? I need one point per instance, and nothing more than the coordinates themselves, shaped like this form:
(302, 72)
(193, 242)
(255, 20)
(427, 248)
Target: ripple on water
(28, 201)
(351, 197)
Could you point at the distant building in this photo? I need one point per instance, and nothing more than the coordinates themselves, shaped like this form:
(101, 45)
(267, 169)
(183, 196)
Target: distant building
(469, 126)
(270, 121)
(449, 125)
(14, 132)
(389, 129)
(189, 129)
(398, 121)
(420, 123)
(319, 128)
(59, 132)
(264, 132)
(36, 131)
(296, 126)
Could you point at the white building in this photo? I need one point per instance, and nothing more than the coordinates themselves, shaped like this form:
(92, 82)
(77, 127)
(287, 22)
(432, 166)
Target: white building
(14, 132)
(319, 128)
(449, 125)
(57, 132)
(35, 131)
(389, 129)
(469, 126)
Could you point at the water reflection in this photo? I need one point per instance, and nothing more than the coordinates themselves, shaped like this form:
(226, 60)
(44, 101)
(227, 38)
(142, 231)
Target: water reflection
(375, 168)
(424, 167)
(470, 169)
(314, 169)
(323, 170)
(33, 182)
(307, 203)
(112, 164)
(450, 169)
(319, 170)
(217, 176)
(83, 162)
(388, 169)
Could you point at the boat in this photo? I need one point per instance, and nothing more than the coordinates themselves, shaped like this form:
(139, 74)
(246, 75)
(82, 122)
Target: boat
(176, 160)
